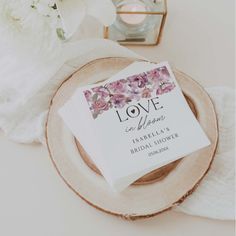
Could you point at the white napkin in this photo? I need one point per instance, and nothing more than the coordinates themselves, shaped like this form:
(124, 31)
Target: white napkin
(27, 86)
(215, 196)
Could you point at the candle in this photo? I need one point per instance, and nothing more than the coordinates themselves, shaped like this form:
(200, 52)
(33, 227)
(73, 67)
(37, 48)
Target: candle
(133, 19)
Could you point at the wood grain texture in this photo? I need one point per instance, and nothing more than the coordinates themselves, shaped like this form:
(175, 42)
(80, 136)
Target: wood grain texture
(164, 190)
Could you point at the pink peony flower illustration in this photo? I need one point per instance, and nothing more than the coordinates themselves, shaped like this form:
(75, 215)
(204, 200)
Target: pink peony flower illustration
(100, 105)
(146, 93)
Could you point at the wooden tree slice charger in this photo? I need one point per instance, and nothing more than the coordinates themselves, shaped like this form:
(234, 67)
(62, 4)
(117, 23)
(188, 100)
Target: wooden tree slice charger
(153, 193)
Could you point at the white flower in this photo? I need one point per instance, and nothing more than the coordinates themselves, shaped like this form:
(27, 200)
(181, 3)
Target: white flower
(44, 7)
(25, 28)
(72, 12)
(37, 27)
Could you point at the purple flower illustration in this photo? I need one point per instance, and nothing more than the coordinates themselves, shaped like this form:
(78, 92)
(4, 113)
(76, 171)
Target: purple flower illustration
(153, 75)
(164, 74)
(119, 100)
(138, 81)
(119, 86)
(134, 94)
(165, 88)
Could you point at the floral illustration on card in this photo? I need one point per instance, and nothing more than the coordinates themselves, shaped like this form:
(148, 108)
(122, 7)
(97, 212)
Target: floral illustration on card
(119, 93)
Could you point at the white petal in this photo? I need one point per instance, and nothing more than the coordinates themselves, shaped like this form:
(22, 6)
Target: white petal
(72, 13)
(103, 10)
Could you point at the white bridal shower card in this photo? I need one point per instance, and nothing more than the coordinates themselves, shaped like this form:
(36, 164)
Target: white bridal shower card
(133, 123)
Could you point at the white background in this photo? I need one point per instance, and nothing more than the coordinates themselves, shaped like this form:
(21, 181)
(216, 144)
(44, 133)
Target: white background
(34, 201)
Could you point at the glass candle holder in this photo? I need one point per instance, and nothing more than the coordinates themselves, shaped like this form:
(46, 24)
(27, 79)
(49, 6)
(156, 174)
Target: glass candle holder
(138, 22)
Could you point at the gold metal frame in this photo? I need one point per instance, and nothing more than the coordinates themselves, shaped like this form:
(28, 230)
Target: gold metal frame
(163, 20)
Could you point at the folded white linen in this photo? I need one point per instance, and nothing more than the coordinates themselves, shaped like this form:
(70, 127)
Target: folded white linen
(215, 196)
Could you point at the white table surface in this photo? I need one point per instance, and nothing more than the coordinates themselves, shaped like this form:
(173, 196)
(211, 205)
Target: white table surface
(34, 201)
